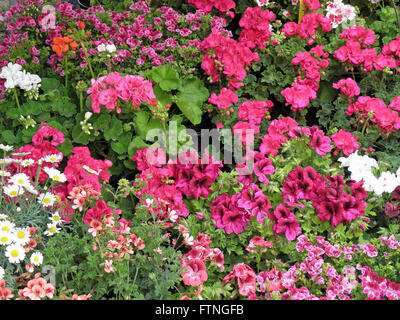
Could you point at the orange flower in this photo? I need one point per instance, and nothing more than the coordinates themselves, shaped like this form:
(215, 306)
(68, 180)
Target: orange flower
(81, 25)
(62, 44)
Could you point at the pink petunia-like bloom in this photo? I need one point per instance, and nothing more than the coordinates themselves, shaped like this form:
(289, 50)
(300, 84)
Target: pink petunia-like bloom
(345, 141)
(195, 273)
(285, 222)
(246, 279)
(320, 142)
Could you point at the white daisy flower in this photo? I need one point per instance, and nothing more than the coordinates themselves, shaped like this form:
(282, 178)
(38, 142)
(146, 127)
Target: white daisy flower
(91, 170)
(6, 238)
(20, 179)
(4, 173)
(51, 229)
(53, 158)
(36, 258)
(6, 161)
(47, 199)
(13, 190)
(22, 236)
(6, 226)
(6, 148)
(55, 174)
(3, 216)
(56, 219)
(21, 154)
(15, 253)
(2, 273)
(31, 189)
(27, 162)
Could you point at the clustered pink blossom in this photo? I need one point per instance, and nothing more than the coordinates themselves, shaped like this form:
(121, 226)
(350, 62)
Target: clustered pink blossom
(224, 100)
(77, 175)
(326, 194)
(194, 271)
(256, 29)
(345, 141)
(106, 91)
(281, 130)
(188, 175)
(306, 86)
(376, 111)
(246, 279)
(253, 112)
(232, 213)
(308, 26)
(222, 5)
(340, 285)
(355, 53)
(224, 55)
(37, 289)
(259, 243)
(348, 87)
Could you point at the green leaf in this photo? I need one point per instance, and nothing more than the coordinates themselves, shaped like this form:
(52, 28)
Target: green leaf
(166, 77)
(67, 109)
(8, 137)
(162, 96)
(50, 84)
(13, 113)
(144, 123)
(102, 122)
(66, 147)
(114, 130)
(136, 144)
(31, 108)
(190, 99)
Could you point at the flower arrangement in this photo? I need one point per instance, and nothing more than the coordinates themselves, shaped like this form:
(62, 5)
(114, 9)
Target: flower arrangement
(111, 188)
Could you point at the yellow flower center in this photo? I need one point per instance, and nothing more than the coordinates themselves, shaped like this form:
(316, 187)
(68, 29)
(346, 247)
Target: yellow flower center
(46, 200)
(36, 259)
(21, 181)
(53, 229)
(56, 218)
(53, 159)
(14, 253)
(5, 228)
(56, 177)
(13, 193)
(4, 239)
(21, 234)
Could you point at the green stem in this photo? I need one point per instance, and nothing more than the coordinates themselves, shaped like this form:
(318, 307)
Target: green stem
(301, 11)
(88, 61)
(81, 100)
(16, 99)
(397, 13)
(373, 141)
(363, 129)
(66, 74)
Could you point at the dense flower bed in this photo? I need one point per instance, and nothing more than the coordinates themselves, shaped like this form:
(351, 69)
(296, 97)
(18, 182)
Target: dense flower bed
(111, 187)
